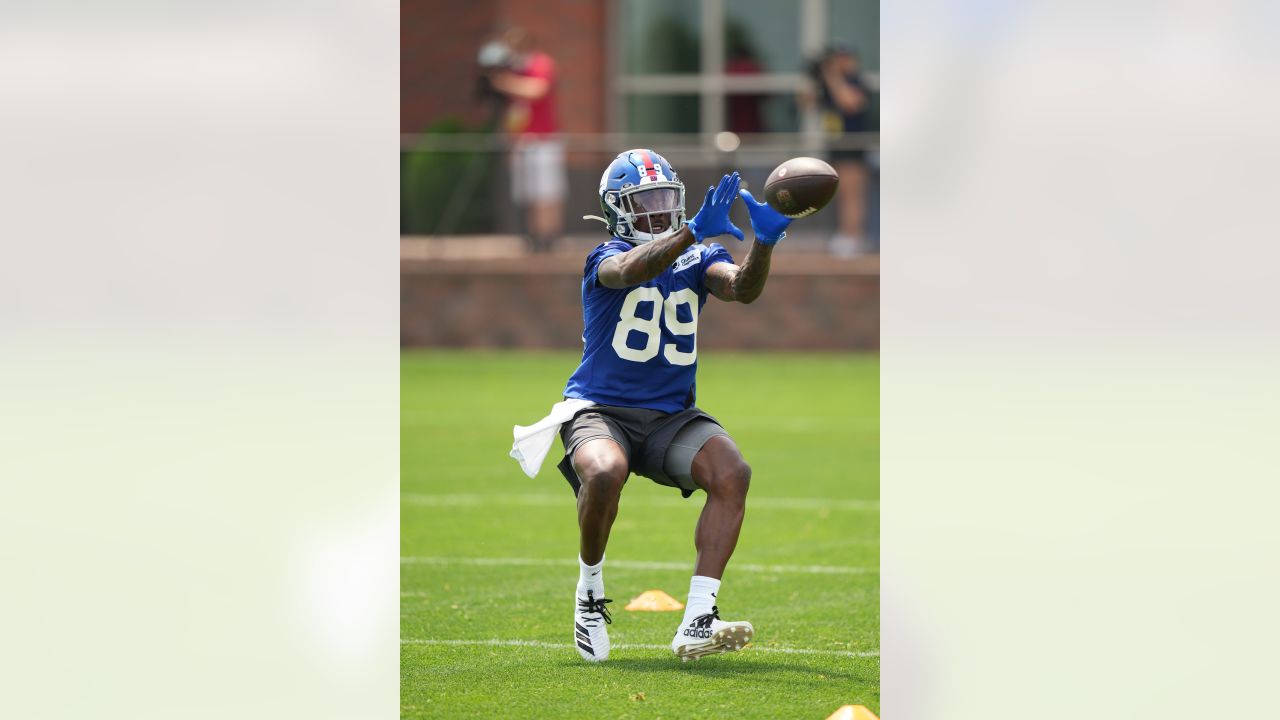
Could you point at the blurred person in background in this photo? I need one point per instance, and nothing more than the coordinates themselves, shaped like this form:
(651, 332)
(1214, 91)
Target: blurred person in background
(527, 77)
(843, 98)
(745, 111)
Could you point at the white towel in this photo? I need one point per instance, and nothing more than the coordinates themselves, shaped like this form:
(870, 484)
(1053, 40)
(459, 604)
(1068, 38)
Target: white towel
(534, 441)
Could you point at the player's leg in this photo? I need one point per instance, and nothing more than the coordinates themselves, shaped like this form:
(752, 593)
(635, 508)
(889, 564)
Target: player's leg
(601, 466)
(716, 466)
(602, 469)
(724, 474)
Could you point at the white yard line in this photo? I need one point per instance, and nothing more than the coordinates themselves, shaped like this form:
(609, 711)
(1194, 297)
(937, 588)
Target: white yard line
(566, 500)
(631, 646)
(641, 565)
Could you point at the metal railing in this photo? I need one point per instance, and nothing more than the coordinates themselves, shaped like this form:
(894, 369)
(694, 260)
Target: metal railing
(459, 183)
(669, 143)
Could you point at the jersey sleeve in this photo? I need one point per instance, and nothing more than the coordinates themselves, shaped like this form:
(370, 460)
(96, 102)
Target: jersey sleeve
(597, 256)
(712, 254)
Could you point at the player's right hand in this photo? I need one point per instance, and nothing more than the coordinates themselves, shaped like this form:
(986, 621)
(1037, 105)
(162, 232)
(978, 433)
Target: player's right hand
(713, 219)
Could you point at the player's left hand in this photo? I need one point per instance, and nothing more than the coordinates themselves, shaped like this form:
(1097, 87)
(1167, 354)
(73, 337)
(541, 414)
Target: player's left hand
(713, 219)
(769, 225)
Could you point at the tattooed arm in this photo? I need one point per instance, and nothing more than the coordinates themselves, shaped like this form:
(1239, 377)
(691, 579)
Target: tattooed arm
(648, 261)
(743, 284)
(643, 262)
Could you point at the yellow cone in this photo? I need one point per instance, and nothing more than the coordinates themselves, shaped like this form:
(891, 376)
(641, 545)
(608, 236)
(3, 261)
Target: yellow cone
(654, 601)
(853, 712)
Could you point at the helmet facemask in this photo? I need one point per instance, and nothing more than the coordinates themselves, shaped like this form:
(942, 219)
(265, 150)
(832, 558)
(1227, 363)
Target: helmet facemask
(641, 197)
(648, 212)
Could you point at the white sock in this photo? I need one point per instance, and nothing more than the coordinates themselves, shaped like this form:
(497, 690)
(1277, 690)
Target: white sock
(702, 595)
(591, 577)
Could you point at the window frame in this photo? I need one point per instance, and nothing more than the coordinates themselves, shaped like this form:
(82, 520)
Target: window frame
(712, 85)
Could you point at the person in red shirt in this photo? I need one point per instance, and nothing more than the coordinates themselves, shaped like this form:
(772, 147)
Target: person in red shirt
(537, 153)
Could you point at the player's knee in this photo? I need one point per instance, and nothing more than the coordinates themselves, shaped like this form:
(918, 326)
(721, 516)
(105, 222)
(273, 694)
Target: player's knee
(733, 479)
(741, 474)
(604, 475)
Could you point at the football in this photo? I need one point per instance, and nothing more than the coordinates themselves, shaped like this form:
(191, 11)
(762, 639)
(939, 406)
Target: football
(801, 186)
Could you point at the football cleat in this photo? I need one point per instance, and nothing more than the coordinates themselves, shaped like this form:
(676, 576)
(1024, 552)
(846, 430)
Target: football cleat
(709, 635)
(589, 632)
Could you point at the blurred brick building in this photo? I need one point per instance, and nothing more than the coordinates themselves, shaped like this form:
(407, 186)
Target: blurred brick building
(439, 42)
(653, 73)
(667, 67)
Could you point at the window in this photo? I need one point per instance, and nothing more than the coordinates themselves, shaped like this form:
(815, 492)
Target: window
(662, 113)
(761, 34)
(746, 113)
(704, 66)
(857, 23)
(661, 37)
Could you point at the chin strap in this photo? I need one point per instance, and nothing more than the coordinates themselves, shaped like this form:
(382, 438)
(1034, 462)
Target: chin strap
(596, 217)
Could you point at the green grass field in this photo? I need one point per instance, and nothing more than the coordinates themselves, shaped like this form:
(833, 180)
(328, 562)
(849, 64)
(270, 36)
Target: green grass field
(489, 563)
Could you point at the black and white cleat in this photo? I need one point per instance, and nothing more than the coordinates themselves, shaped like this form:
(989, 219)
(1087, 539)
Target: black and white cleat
(709, 635)
(589, 632)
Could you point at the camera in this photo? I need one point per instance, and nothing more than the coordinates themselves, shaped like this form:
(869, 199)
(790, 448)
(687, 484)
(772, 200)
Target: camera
(493, 55)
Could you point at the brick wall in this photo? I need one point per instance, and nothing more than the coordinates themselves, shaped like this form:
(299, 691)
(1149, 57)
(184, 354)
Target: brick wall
(811, 302)
(438, 46)
(439, 41)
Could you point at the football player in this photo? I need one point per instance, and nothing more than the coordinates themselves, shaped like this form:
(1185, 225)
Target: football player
(642, 293)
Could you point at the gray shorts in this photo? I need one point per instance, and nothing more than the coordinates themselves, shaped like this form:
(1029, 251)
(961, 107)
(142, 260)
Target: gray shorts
(658, 445)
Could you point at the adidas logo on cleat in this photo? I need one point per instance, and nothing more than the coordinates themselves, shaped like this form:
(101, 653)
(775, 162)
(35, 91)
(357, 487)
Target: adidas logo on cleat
(701, 625)
(711, 636)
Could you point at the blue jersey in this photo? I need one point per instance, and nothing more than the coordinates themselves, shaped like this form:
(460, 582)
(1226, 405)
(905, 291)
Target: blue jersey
(640, 344)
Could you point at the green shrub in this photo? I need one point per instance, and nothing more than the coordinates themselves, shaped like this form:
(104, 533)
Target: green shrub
(432, 179)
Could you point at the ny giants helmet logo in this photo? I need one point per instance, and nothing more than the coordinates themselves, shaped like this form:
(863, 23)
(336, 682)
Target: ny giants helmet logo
(649, 170)
(630, 173)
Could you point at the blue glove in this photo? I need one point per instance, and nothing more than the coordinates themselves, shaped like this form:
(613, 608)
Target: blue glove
(713, 218)
(769, 225)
